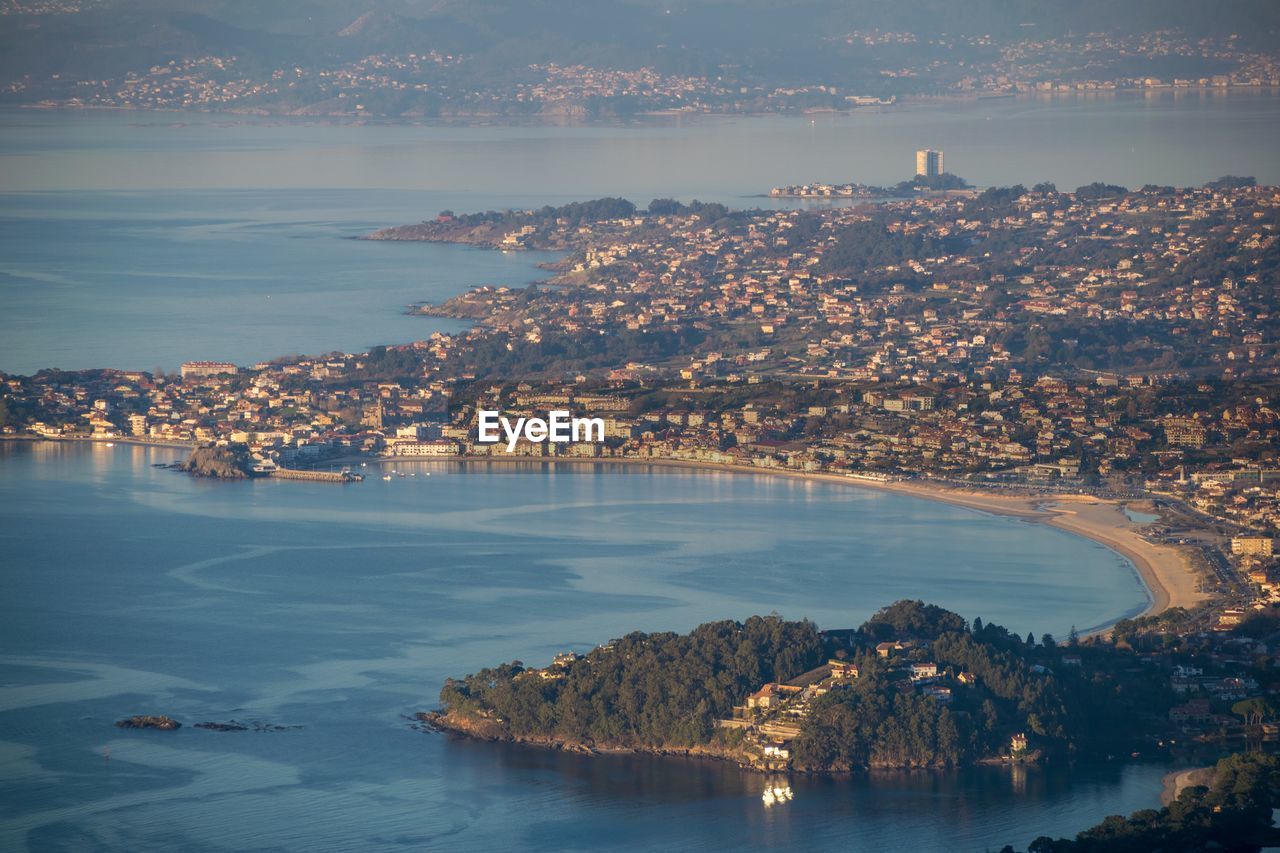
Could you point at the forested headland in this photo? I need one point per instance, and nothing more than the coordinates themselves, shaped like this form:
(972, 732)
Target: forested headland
(915, 686)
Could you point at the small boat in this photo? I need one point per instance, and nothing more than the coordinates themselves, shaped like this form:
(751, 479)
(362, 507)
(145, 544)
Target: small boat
(774, 794)
(386, 476)
(110, 444)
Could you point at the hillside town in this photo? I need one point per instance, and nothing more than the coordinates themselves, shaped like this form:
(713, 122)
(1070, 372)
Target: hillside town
(1105, 341)
(1202, 689)
(876, 69)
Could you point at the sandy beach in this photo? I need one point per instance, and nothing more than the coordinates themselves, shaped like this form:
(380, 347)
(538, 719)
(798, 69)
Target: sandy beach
(1178, 780)
(1165, 570)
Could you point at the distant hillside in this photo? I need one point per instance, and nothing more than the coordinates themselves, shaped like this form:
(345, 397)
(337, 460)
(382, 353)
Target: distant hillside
(743, 43)
(679, 35)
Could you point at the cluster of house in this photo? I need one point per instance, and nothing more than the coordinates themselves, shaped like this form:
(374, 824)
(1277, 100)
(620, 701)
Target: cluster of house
(360, 86)
(559, 663)
(191, 83)
(1220, 671)
(580, 83)
(958, 321)
(1241, 492)
(821, 190)
(911, 64)
(771, 718)
(1210, 671)
(1054, 64)
(267, 408)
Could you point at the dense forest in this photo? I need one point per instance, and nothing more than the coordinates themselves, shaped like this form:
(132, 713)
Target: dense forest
(1233, 813)
(575, 212)
(644, 690)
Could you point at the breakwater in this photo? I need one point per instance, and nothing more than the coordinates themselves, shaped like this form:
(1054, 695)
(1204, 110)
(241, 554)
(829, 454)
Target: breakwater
(322, 476)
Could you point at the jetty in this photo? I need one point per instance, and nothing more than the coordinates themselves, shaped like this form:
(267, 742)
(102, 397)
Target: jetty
(343, 476)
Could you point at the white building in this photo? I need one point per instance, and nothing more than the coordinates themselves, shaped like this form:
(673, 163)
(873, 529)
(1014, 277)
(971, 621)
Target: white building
(207, 368)
(929, 162)
(440, 447)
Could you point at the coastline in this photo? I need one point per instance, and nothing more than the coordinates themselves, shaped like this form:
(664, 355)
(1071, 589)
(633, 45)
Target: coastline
(459, 725)
(134, 440)
(479, 118)
(1176, 781)
(1164, 570)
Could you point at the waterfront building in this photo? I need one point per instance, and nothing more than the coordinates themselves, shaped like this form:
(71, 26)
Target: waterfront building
(439, 447)
(1252, 546)
(207, 368)
(929, 163)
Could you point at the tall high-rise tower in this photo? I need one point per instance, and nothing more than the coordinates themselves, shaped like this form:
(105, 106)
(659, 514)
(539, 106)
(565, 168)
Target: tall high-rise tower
(929, 163)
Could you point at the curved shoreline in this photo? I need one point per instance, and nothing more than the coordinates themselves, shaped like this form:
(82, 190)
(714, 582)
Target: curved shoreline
(137, 441)
(1164, 570)
(1176, 781)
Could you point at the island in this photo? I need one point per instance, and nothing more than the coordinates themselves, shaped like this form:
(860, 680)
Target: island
(149, 721)
(915, 686)
(219, 463)
(161, 722)
(936, 185)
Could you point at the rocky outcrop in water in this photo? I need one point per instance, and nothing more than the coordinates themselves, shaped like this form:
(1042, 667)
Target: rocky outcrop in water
(222, 463)
(150, 721)
(252, 725)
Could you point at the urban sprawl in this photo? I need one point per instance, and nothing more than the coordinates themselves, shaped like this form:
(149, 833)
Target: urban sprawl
(880, 66)
(1107, 341)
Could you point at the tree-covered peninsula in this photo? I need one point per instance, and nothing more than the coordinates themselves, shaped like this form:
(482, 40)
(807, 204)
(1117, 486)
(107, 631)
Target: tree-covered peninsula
(915, 686)
(1231, 813)
(644, 692)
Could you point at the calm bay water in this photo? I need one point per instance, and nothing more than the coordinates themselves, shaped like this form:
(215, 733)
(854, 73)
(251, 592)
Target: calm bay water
(132, 589)
(146, 280)
(1163, 137)
(130, 240)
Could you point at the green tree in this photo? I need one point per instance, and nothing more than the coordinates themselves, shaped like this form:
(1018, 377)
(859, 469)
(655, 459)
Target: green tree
(1254, 711)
